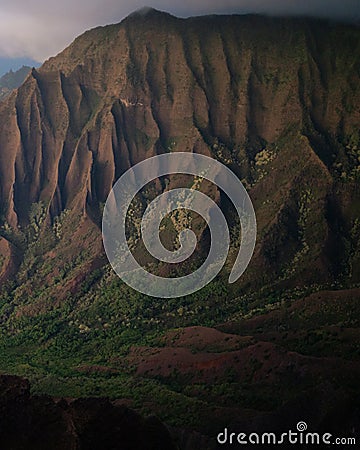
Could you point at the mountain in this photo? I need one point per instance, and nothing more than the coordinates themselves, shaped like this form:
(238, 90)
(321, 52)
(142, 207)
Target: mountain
(277, 99)
(8, 63)
(278, 102)
(12, 80)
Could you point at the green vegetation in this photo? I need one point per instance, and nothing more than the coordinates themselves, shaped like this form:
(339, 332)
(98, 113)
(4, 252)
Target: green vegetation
(79, 347)
(71, 327)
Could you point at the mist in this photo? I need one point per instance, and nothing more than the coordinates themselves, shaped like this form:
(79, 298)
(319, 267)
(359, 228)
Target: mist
(38, 29)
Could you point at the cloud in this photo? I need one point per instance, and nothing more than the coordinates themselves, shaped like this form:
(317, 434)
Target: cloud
(41, 28)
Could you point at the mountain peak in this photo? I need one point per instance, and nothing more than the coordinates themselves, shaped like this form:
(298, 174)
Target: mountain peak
(144, 10)
(148, 11)
(12, 80)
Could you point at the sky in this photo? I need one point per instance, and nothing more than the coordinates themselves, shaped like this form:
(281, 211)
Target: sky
(39, 29)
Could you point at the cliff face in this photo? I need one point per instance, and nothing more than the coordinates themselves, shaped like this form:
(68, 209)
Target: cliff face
(276, 99)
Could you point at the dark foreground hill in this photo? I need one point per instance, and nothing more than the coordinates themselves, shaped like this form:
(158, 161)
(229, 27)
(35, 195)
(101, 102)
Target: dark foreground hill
(34, 423)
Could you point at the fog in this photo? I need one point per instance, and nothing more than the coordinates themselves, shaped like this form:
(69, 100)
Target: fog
(41, 28)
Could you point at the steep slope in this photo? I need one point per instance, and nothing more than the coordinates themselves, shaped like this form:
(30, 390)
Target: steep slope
(276, 99)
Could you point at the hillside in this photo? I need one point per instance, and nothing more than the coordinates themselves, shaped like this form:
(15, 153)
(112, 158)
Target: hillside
(278, 102)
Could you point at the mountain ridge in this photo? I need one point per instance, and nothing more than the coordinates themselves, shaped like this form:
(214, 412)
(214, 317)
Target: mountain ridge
(12, 80)
(101, 106)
